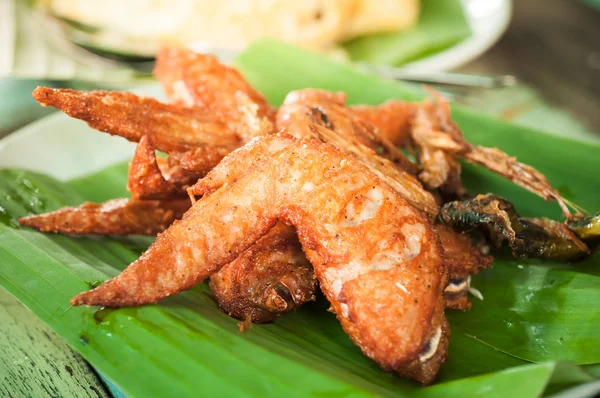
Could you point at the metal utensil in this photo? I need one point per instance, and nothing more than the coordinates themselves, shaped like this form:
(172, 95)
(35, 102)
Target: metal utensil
(443, 78)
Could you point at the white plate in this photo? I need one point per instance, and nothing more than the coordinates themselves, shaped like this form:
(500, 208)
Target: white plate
(66, 148)
(488, 19)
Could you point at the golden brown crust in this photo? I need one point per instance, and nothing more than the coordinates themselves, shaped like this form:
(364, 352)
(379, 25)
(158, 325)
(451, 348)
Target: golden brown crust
(192, 79)
(145, 179)
(115, 217)
(269, 279)
(202, 242)
(462, 256)
(196, 162)
(401, 181)
(254, 156)
(377, 259)
(170, 128)
(463, 259)
(200, 81)
(302, 108)
(319, 113)
(425, 371)
(392, 119)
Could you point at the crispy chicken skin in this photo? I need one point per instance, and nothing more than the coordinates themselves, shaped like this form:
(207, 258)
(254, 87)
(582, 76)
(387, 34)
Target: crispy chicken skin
(130, 116)
(459, 266)
(201, 83)
(320, 113)
(115, 217)
(462, 259)
(145, 179)
(376, 258)
(401, 181)
(194, 162)
(392, 119)
(269, 279)
(150, 177)
(302, 108)
(200, 80)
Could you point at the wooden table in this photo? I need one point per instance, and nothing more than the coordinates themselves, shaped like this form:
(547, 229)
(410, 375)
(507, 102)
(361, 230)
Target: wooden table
(35, 362)
(554, 47)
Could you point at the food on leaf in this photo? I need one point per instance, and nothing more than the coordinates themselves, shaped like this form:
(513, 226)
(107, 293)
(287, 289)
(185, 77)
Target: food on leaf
(376, 258)
(312, 195)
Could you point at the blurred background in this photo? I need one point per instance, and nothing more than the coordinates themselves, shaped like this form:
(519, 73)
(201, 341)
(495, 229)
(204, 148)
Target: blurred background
(542, 57)
(553, 46)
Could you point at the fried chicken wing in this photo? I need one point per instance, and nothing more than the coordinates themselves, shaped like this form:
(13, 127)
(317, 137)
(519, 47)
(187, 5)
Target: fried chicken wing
(115, 217)
(170, 128)
(376, 258)
(152, 178)
(191, 79)
(401, 181)
(269, 279)
(349, 135)
(302, 108)
(461, 255)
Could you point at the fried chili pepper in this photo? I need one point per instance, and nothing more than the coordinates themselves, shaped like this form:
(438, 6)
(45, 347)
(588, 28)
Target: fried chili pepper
(499, 220)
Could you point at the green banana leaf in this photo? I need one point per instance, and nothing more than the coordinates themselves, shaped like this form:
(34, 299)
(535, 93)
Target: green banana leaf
(531, 311)
(441, 25)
